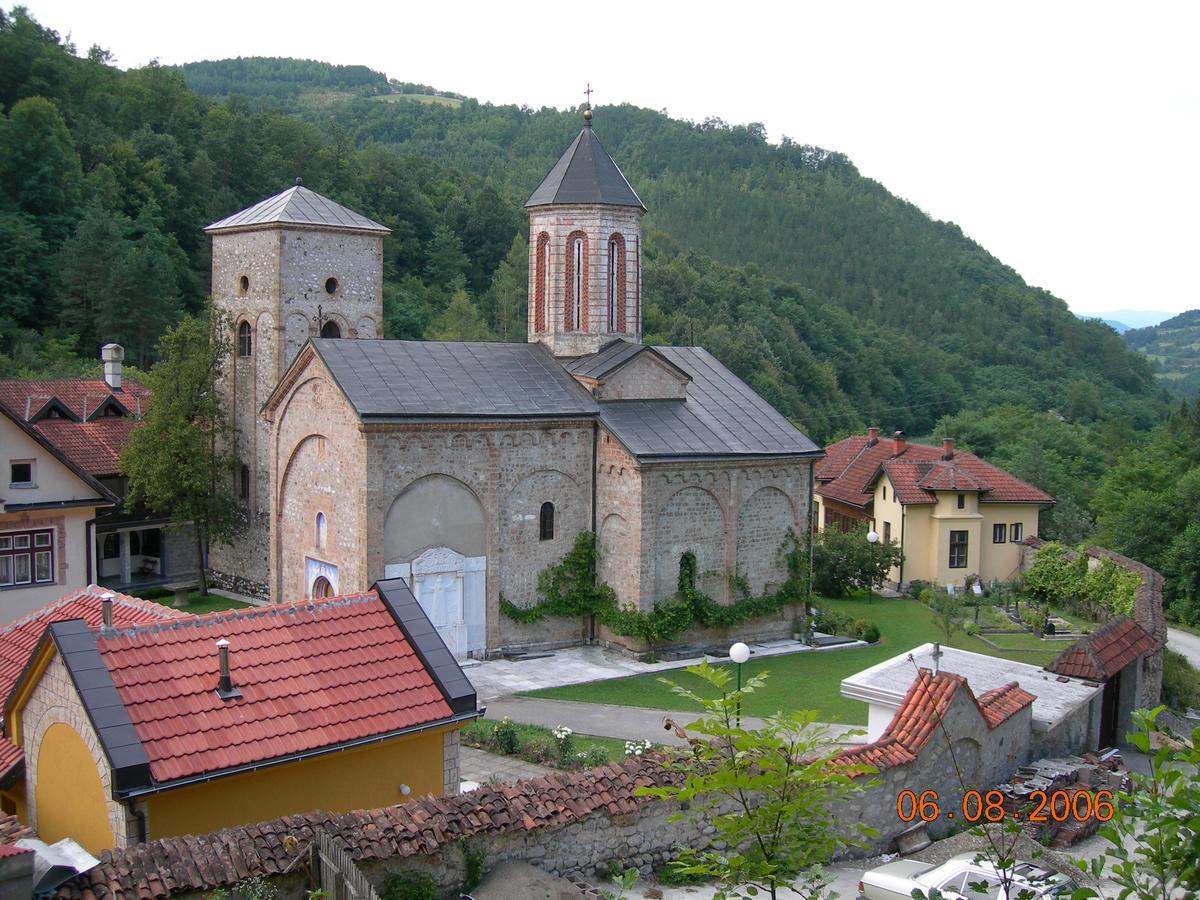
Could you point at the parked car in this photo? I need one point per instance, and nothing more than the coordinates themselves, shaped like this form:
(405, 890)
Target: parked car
(955, 877)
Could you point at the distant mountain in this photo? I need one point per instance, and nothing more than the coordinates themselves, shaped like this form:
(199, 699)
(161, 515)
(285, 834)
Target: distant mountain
(1174, 347)
(1118, 327)
(1128, 318)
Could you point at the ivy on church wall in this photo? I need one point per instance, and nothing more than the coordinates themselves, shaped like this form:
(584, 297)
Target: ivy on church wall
(571, 588)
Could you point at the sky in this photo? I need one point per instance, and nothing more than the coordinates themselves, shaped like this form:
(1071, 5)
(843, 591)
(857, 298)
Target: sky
(1063, 137)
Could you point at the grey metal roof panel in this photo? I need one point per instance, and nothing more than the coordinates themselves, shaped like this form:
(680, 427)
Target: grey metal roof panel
(611, 355)
(453, 379)
(585, 174)
(722, 416)
(297, 206)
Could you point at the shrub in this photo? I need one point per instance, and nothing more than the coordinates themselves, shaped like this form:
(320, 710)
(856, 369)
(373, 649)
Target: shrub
(591, 758)
(539, 751)
(564, 744)
(408, 886)
(1180, 683)
(871, 633)
(971, 629)
(916, 587)
(505, 738)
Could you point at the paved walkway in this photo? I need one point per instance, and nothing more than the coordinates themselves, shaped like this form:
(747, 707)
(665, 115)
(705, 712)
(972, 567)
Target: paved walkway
(575, 665)
(482, 767)
(628, 723)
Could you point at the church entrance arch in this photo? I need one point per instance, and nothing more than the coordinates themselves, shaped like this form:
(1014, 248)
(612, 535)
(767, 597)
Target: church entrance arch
(451, 589)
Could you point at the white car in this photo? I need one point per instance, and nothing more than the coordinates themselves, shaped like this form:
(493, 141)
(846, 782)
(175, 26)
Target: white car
(955, 877)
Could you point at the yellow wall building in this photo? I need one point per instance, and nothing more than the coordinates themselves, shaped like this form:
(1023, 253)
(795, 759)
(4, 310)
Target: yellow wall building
(131, 734)
(952, 514)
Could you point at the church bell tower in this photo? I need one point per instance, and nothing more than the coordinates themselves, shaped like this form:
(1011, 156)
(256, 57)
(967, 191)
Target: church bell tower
(585, 244)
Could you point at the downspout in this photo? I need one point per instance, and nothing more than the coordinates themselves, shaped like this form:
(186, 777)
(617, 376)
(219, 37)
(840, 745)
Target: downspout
(89, 536)
(811, 526)
(900, 580)
(595, 533)
(140, 816)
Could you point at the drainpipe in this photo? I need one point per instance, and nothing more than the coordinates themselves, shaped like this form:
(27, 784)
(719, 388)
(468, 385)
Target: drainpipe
(89, 535)
(140, 817)
(901, 579)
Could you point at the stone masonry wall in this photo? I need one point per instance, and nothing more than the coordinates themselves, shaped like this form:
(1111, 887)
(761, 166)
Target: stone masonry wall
(598, 223)
(55, 701)
(317, 463)
(511, 469)
(619, 520)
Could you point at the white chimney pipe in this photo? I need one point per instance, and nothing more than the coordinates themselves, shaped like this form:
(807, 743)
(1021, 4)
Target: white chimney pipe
(112, 355)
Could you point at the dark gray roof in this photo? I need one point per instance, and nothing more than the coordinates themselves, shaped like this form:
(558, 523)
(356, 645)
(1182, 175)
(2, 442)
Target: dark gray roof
(721, 417)
(585, 174)
(297, 206)
(453, 379)
(611, 356)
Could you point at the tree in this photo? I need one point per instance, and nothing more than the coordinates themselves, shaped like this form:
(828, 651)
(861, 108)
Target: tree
(947, 609)
(180, 459)
(771, 794)
(846, 561)
(1155, 829)
(460, 321)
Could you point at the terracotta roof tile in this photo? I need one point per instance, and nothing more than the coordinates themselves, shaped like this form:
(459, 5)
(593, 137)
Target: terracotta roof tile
(11, 829)
(1100, 655)
(425, 826)
(94, 446)
(312, 674)
(18, 638)
(917, 718)
(851, 467)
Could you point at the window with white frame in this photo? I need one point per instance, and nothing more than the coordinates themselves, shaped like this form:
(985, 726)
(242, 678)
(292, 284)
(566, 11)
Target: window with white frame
(1016, 531)
(26, 557)
(999, 533)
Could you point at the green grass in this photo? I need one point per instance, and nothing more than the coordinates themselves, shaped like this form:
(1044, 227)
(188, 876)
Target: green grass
(477, 734)
(197, 602)
(805, 680)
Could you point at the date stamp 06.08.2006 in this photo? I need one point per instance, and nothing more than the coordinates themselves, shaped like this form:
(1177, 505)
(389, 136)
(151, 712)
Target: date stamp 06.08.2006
(980, 808)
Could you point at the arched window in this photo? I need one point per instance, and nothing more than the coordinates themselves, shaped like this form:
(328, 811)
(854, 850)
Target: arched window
(541, 281)
(245, 340)
(546, 522)
(244, 483)
(616, 283)
(320, 535)
(575, 314)
(321, 588)
(331, 329)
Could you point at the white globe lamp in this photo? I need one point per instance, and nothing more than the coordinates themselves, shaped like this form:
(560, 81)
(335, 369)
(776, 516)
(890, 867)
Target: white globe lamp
(739, 653)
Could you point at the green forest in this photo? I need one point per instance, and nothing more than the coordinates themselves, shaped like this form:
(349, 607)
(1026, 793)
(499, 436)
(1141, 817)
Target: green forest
(839, 302)
(1173, 348)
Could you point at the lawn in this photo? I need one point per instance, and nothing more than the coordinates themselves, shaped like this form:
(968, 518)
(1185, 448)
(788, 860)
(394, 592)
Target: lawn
(197, 602)
(809, 680)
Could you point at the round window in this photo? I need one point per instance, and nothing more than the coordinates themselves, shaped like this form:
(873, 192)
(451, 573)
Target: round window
(244, 284)
(331, 285)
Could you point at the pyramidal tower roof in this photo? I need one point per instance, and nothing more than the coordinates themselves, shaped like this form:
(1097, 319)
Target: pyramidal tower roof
(585, 174)
(297, 206)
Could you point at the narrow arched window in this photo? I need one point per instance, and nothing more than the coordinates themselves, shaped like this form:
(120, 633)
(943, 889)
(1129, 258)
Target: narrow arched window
(244, 483)
(546, 522)
(331, 329)
(575, 316)
(616, 283)
(541, 281)
(320, 531)
(245, 341)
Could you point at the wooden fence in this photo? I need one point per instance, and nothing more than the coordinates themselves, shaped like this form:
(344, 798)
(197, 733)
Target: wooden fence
(336, 871)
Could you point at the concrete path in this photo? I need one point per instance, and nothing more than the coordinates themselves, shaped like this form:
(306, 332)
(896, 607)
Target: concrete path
(627, 723)
(484, 768)
(1186, 643)
(576, 665)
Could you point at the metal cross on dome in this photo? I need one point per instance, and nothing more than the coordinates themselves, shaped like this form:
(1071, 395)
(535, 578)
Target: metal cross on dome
(588, 93)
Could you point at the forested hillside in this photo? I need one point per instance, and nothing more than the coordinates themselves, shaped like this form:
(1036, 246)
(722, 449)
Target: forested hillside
(842, 304)
(1173, 347)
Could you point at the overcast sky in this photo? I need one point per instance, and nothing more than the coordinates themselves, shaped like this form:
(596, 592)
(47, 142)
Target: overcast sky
(1064, 137)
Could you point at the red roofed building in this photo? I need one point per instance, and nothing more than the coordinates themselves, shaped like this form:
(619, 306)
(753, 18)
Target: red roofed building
(951, 513)
(61, 522)
(17, 642)
(136, 733)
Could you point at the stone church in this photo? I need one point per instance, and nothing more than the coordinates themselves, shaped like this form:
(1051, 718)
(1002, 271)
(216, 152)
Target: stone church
(469, 467)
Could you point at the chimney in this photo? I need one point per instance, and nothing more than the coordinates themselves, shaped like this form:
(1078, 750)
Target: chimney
(947, 448)
(106, 601)
(872, 436)
(225, 686)
(113, 355)
(899, 444)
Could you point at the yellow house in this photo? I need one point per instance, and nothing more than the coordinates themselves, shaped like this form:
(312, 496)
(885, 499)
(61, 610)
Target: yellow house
(952, 514)
(207, 722)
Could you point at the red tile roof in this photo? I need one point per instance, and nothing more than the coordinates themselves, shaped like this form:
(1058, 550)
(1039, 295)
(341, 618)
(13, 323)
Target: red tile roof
(1100, 655)
(851, 467)
(18, 638)
(11, 829)
(424, 827)
(917, 718)
(93, 447)
(313, 674)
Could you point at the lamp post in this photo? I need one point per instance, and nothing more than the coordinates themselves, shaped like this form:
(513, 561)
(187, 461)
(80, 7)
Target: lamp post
(872, 539)
(739, 653)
